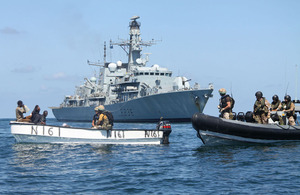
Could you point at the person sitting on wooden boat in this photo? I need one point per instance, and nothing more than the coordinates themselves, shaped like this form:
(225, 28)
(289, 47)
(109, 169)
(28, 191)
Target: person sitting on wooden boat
(39, 118)
(43, 118)
(20, 110)
(103, 119)
(289, 108)
(35, 115)
(276, 106)
(95, 118)
(261, 108)
(226, 105)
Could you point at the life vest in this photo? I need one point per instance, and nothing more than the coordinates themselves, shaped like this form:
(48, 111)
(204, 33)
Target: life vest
(275, 105)
(260, 107)
(287, 106)
(223, 102)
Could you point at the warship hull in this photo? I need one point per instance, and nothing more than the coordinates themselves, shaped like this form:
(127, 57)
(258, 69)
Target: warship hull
(176, 106)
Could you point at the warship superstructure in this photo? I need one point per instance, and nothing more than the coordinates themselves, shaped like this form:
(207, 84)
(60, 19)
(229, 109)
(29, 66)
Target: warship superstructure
(134, 92)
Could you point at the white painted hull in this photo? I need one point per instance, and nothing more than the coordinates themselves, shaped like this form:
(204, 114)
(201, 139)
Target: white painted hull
(30, 133)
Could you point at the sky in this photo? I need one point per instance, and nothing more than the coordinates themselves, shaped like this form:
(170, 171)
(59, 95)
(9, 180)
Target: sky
(242, 46)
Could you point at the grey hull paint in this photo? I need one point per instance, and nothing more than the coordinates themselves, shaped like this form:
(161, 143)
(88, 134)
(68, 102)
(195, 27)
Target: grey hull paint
(174, 106)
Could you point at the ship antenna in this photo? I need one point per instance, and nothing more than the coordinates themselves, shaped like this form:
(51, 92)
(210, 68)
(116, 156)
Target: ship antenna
(286, 89)
(231, 89)
(296, 82)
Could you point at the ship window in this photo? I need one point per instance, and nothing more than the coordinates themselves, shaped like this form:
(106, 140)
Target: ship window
(146, 73)
(167, 74)
(141, 73)
(170, 74)
(151, 73)
(162, 74)
(156, 73)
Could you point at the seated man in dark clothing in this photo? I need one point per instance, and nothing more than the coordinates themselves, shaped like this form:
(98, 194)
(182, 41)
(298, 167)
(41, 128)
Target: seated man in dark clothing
(43, 117)
(35, 115)
(40, 118)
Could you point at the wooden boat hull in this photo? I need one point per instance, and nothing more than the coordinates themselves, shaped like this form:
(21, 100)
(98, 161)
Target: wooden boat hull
(31, 133)
(210, 127)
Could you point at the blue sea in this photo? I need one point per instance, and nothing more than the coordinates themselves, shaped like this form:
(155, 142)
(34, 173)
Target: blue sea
(185, 166)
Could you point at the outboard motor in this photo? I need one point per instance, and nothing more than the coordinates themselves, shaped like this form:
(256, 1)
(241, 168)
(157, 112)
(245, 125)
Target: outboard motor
(165, 126)
(240, 116)
(249, 117)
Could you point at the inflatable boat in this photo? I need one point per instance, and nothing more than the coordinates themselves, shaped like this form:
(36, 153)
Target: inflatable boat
(214, 130)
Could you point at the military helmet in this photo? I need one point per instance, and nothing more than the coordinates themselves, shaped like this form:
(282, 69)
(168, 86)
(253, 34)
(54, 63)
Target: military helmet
(96, 108)
(287, 97)
(101, 108)
(275, 98)
(20, 103)
(222, 91)
(259, 94)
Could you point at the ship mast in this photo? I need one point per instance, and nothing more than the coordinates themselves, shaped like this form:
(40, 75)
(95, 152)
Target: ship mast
(132, 47)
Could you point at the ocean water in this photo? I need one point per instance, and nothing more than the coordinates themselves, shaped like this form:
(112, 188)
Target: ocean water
(185, 166)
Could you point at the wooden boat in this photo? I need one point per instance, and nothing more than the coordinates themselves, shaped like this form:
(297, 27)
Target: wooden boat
(214, 130)
(32, 133)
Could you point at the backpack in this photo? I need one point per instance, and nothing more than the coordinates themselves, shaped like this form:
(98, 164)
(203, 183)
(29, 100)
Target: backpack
(109, 116)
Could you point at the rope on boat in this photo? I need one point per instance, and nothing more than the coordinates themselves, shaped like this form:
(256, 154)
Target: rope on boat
(283, 127)
(295, 128)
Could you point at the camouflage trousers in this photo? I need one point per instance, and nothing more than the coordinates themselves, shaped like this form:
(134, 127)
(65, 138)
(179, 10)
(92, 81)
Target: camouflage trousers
(227, 115)
(291, 121)
(261, 118)
(104, 126)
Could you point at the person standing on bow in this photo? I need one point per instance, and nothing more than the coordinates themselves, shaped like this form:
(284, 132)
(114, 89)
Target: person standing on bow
(225, 105)
(261, 108)
(289, 108)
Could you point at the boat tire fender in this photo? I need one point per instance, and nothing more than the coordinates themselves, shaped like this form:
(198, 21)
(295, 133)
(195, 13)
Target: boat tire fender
(249, 117)
(240, 116)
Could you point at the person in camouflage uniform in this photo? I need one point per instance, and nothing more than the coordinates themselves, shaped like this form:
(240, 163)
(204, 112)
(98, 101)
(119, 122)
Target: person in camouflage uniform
(225, 106)
(289, 108)
(261, 109)
(100, 120)
(276, 106)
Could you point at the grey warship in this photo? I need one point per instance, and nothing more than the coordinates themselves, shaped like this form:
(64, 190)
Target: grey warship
(134, 92)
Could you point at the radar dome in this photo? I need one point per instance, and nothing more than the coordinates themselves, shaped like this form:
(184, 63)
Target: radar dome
(119, 63)
(93, 79)
(139, 61)
(112, 67)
